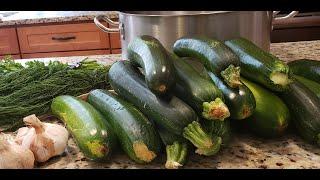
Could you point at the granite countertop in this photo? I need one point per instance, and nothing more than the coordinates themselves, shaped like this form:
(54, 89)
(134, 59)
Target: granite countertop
(245, 150)
(41, 17)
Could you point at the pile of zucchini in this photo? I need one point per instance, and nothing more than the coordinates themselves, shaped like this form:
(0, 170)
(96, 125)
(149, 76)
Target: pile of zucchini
(186, 99)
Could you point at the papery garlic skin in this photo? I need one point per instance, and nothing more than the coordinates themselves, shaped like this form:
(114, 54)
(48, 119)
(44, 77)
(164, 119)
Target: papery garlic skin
(45, 140)
(14, 156)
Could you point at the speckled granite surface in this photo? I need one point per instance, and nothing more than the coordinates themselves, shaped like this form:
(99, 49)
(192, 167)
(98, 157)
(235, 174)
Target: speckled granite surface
(245, 150)
(40, 17)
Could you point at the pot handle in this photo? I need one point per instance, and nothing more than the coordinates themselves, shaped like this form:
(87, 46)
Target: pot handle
(283, 18)
(108, 20)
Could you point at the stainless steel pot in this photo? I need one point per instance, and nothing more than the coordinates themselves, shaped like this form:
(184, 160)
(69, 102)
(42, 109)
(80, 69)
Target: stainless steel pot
(168, 26)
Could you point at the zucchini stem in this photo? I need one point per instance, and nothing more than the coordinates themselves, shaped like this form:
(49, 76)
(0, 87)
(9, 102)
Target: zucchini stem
(231, 76)
(176, 155)
(215, 110)
(205, 143)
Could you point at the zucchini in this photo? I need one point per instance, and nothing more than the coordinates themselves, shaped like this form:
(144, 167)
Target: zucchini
(176, 155)
(306, 68)
(271, 116)
(91, 132)
(168, 112)
(233, 97)
(312, 85)
(214, 54)
(200, 93)
(135, 132)
(207, 144)
(198, 66)
(169, 138)
(219, 128)
(176, 149)
(304, 107)
(148, 53)
(260, 66)
(240, 101)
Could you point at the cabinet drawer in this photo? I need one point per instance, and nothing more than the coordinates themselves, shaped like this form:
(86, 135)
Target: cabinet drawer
(65, 54)
(69, 37)
(8, 41)
(15, 56)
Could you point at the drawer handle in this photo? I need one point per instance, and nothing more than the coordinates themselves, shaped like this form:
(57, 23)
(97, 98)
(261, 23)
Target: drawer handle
(63, 38)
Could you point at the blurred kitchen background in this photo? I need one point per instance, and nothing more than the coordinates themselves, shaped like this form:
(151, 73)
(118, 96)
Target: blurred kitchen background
(36, 34)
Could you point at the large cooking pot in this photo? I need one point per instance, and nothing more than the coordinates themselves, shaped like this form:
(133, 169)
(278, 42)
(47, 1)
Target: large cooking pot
(168, 26)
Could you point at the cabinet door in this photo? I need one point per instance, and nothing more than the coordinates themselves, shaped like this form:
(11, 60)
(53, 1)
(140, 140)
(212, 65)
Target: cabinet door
(66, 37)
(8, 41)
(115, 42)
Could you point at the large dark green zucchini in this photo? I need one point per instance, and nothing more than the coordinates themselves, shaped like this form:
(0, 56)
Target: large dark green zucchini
(169, 138)
(240, 101)
(307, 68)
(92, 133)
(168, 112)
(304, 107)
(198, 66)
(271, 116)
(148, 53)
(260, 66)
(135, 132)
(200, 93)
(312, 85)
(176, 148)
(214, 54)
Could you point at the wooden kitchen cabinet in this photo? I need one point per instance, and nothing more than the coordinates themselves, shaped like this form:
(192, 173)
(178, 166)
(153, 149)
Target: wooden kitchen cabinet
(65, 54)
(115, 41)
(65, 37)
(8, 41)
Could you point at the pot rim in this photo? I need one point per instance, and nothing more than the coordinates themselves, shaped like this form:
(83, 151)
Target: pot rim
(180, 13)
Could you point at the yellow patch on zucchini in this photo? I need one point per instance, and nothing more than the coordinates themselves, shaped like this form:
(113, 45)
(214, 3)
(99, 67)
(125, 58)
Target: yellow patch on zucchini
(142, 152)
(214, 44)
(97, 148)
(280, 78)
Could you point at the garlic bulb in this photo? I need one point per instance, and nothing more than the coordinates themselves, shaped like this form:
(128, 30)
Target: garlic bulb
(45, 140)
(14, 156)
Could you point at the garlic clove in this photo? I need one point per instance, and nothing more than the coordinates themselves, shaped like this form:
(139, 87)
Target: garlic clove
(25, 137)
(42, 147)
(59, 135)
(14, 156)
(21, 132)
